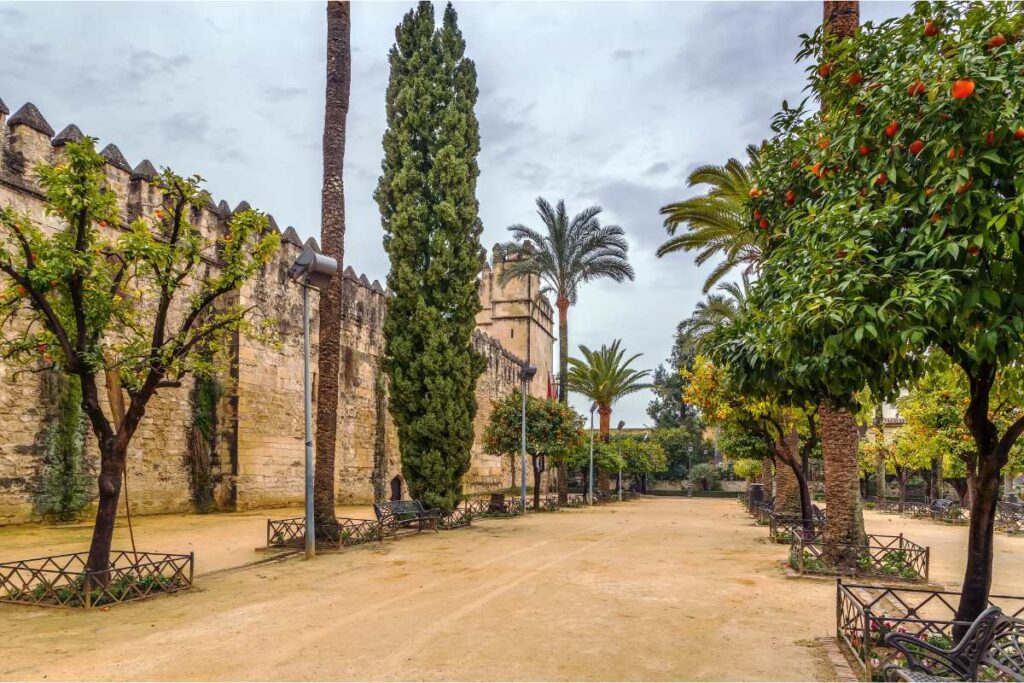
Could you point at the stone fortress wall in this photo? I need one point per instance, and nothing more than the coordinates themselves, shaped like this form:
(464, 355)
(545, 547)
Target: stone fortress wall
(257, 457)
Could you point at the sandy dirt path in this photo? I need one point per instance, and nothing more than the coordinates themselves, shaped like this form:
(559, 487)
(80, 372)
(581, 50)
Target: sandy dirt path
(652, 590)
(661, 589)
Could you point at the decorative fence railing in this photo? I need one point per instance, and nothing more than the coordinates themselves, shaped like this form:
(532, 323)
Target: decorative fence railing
(891, 557)
(781, 528)
(63, 581)
(291, 532)
(866, 613)
(1010, 518)
(762, 513)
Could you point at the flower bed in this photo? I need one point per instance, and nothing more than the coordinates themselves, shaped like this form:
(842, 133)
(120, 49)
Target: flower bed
(62, 580)
(866, 613)
(891, 557)
(291, 533)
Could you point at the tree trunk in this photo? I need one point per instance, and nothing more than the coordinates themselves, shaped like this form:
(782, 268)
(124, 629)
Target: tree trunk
(903, 475)
(983, 487)
(844, 524)
(332, 242)
(537, 469)
(841, 17)
(605, 423)
(563, 390)
(109, 481)
(793, 492)
(787, 497)
(767, 478)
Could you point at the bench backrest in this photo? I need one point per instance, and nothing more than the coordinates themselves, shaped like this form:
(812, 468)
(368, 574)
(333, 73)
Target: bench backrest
(397, 508)
(1006, 651)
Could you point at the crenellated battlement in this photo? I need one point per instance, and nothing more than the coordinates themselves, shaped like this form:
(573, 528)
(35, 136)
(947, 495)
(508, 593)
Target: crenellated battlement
(256, 461)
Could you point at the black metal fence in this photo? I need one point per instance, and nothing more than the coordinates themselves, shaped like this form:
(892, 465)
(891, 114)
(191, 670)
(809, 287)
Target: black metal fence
(1010, 518)
(866, 613)
(63, 581)
(291, 532)
(890, 557)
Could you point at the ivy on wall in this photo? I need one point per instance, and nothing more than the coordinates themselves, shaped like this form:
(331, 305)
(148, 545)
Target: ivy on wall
(202, 442)
(64, 494)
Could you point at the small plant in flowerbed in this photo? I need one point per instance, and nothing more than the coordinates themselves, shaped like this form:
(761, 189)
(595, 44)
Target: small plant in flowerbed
(811, 563)
(74, 594)
(896, 563)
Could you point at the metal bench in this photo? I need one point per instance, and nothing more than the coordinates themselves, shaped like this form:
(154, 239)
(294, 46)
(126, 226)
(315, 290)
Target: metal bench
(992, 649)
(406, 515)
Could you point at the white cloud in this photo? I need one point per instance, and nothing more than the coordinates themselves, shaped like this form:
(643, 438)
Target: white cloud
(593, 102)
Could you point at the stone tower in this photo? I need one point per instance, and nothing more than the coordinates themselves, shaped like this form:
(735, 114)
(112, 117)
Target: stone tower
(519, 316)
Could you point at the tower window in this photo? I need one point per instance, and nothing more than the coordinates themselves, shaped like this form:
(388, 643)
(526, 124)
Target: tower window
(512, 333)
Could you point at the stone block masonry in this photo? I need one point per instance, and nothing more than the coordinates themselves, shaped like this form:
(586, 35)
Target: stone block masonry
(257, 457)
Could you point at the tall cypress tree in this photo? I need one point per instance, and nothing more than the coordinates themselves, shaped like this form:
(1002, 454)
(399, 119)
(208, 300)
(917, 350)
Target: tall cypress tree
(428, 206)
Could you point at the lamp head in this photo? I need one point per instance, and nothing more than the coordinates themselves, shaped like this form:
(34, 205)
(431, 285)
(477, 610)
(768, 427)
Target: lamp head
(312, 268)
(593, 407)
(622, 423)
(527, 371)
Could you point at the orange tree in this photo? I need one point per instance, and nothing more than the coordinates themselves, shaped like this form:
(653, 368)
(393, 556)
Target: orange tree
(139, 305)
(553, 431)
(715, 391)
(895, 221)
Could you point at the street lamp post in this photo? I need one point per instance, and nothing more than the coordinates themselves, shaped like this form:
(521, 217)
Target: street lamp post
(526, 373)
(622, 423)
(590, 476)
(310, 270)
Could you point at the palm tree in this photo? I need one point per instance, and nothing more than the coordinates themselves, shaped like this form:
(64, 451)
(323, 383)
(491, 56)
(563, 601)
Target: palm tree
(567, 254)
(844, 525)
(332, 239)
(604, 376)
(715, 311)
(715, 222)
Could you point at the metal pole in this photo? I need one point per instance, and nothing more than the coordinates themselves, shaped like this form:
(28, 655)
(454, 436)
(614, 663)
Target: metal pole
(307, 386)
(522, 455)
(590, 479)
(620, 484)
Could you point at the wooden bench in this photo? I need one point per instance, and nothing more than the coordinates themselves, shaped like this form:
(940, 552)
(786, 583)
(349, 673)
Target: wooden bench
(992, 647)
(406, 515)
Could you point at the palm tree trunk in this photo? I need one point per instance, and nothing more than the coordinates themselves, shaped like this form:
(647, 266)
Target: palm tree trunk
(332, 239)
(841, 17)
(787, 497)
(563, 391)
(844, 524)
(605, 423)
(767, 478)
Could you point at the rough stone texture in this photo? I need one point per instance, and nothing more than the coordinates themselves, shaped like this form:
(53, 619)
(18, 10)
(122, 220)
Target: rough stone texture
(844, 524)
(258, 459)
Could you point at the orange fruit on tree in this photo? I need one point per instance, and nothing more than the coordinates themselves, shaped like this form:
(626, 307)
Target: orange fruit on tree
(996, 41)
(916, 88)
(1019, 133)
(916, 146)
(892, 128)
(864, 150)
(962, 89)
(825, 69)
(854, 78)
(931, 29)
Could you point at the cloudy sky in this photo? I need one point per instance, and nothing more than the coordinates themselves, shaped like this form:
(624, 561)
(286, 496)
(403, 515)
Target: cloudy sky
(608, 103)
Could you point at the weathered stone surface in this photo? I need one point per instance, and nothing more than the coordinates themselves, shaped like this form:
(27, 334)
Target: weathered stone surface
(259, 457)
